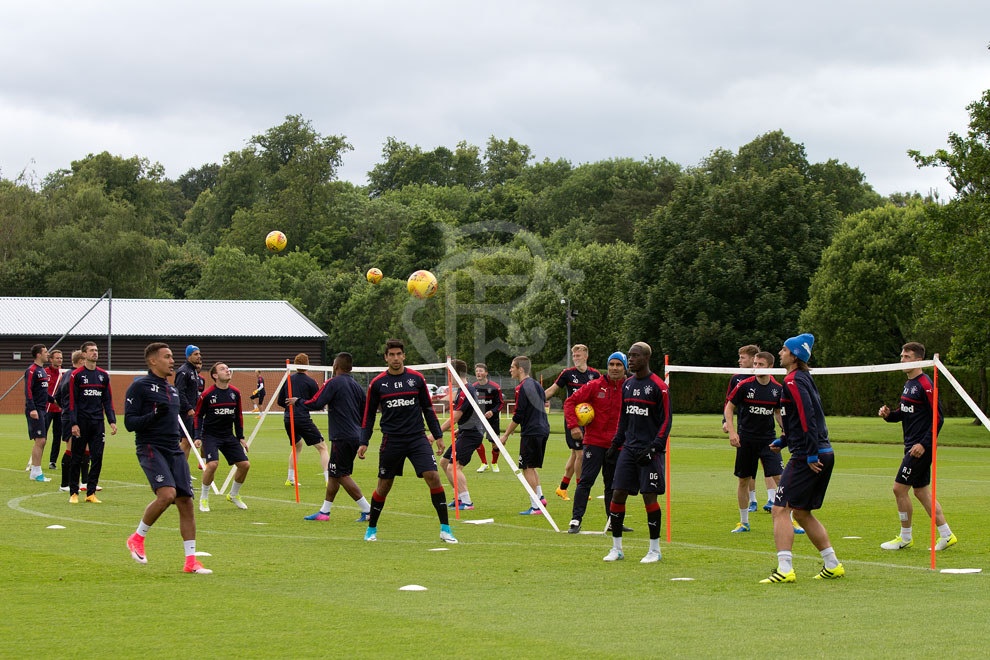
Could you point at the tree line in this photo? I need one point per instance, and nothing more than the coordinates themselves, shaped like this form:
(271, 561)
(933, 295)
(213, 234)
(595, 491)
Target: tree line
(746, 246)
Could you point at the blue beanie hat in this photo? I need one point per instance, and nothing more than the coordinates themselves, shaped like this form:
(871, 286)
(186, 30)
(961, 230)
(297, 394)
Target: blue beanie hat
(800, 346)
(190, 349)
(620, 356)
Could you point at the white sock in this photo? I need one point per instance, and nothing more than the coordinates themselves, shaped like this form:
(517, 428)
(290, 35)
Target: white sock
(905, 534)
(828, 554)
(655, 545)
(771, 494)
(539, 489)
(327, 505)
(944, 531)
(752, 496)
(744, 516)
(534, 502)
(292, 475)
(463, 496)
(235, 489)
(785, 561)
(363, 505)
(204, 493)
(190, 547)
(617, 543)
(326, 476)
(142, 529)
(35, 470)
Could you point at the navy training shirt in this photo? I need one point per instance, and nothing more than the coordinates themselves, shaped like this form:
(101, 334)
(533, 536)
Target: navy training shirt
(218, 414)
(531, 412)
(344, 400)
(806, 433)
(915, 412)
(645, 417)
(572, 378)
(139, 412)
(189, 385)
(755, 404)
(405, 401)
(304, 388)
(36, 396)
(90, 396)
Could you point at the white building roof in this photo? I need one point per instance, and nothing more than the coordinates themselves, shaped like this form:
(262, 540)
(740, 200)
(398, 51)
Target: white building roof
(148, 317)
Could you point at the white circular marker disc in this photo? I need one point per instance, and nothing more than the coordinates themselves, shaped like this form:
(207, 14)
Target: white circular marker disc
(203, 554)
(852, 537)
(681, 579)
(959, 571)
(259, 523)
(55, 527)
(439, 549)
(412, 587)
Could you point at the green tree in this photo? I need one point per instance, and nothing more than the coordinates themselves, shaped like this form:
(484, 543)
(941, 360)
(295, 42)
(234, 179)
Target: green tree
(229, 274)
(860, 309)
(728, 264)
(504, 160)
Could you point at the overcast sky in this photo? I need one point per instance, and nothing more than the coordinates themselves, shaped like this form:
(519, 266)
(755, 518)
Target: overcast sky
(184, 83)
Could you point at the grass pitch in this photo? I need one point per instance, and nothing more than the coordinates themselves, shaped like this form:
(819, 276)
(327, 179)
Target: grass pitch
(293, 588)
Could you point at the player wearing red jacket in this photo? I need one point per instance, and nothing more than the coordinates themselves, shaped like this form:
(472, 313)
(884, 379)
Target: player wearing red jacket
(605, 396)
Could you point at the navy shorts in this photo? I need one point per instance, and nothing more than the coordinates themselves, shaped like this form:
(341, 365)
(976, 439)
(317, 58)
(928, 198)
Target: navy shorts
(754, 452)
(915, 472)
(467, 444)
(165, 467)
(342, 453)
(493, 421)
(531, 451)
(394, 451)
(306, 430)
(802, 488)
(571, 442)
(230, 447)
(634, 478)
(37, 427)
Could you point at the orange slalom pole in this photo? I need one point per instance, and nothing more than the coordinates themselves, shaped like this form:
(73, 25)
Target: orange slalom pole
(453, 440)
(666, 378)
(292, 432)
(934, 452)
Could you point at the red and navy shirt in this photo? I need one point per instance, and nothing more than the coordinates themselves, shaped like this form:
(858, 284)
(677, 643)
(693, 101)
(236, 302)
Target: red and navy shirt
(531, 412)
(405, 402)
(733, 381)
(915, 412)
(36, 395)
(489, 397)
(344, 400)
(573, 378)
(645, 417)
(218, 414)
(755, 404)
(804, 419)
(90, 396)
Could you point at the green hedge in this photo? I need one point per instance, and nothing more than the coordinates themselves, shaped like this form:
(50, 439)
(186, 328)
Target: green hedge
(856, 395)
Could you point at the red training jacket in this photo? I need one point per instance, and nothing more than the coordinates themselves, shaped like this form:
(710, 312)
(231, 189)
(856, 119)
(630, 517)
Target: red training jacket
(605, 396)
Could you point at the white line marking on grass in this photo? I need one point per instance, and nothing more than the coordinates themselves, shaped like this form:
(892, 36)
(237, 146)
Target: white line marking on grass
(681, 579)
(852, 537)
(439, 549)
(483, 521)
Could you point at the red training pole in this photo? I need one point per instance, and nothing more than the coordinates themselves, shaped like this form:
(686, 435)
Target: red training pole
(666, 379)
(292, 432)
(453, 443)
(934, 450)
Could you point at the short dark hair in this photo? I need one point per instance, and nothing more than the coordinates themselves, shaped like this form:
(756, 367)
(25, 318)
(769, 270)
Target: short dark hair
(87, 344)
(750, 349)
(344, 362)
(395, 343)
(54, 351)
(36, 350)
(213, 369)
(765, 355)
(523, 363)
(460, 366)
(482, 365)
(916, 348)
(149, 350)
